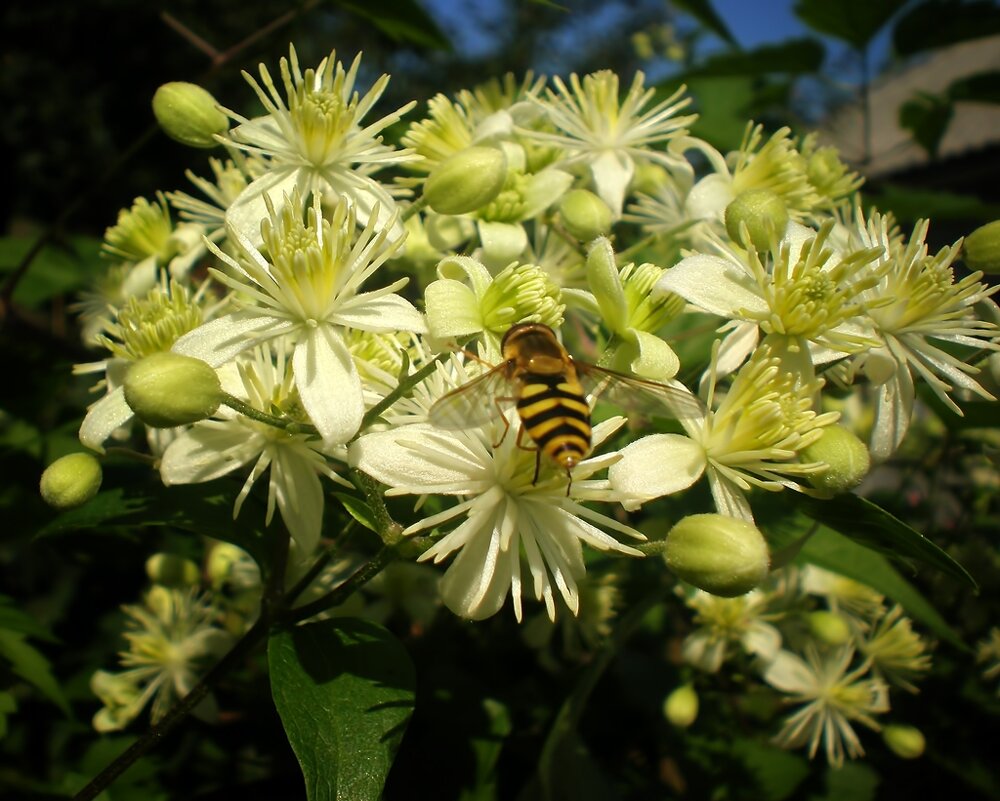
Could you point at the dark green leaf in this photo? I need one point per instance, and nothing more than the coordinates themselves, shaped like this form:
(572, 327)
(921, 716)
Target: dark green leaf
(486, 748)
(13, 619)
(344, 689)
(873, 527)
(854, 780)
(571, 774)
(778, 773)
(31, 665)
(702, 11)
(721, 104)
(983, 87)
(401, 21)
(927, 117)
(357, 509)
(853, 21)
(55, 270)
(938, 23)
(796, 57)
(911, 204)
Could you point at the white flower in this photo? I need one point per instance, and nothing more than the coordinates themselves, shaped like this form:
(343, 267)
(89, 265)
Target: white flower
(507, 517)
(724, 622)
(214, 448)
(833, 696)
(607, 135)
(751, 439)
(316, 144)
(307, 290)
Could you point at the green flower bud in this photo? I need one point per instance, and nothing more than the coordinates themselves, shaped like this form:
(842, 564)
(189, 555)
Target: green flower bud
(981, 249)
(829, 627)
(466, 181)
(721, 555)
(906, 742)
(585, 215)
(648, 178)
(167, 389)
(764, 215)
(70, 481)
(681, 706)
(170, 570)
(846, 455)
(189, 114)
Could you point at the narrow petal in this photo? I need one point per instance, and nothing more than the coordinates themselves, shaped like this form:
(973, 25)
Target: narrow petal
(475, 586)
(612, 172)
(328, 384)
(659, 464)
(299, 495)
(714, 285)
(103, 418)
(223, 339)
(371, 312)
(208, 451)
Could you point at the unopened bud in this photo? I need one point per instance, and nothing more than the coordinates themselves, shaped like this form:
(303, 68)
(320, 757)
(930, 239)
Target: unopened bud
(585, 215)
(846, 455)
(70, 480)
(167, 389)
(189, 114)
(466, 181)
(722, 555)
(981, 249)
(171, 570)
(764, 215)
(681, 706)
(829, 627)
(906, 742)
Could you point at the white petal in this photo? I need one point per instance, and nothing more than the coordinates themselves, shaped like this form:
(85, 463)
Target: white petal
(452, 309)
(328, 384)
(763, 640)
(659, 464)
(605, 282)
(249, 208)
(893, 409)
(208, 451)
(739, 343)
(475, 586)
(790, 674)
(656, 358)
(419, 457)
(371, 311)
(501, 242)
(543, 189)
(729, 499)
(103, 418)
(714, 285)
(300, 498)
(223, 339)
(708, 198)
(612, 172)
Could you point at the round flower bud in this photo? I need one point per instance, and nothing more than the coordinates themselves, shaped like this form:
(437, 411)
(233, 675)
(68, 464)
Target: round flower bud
(466, 181)
(70, 480)
(981, 249)
(171, 570)
(829, 627)
(585, 215)
(764, 214)
(846, 455)
(721, 555)
(188, 114)
(681, 706)
(906, 742)
(167, 389)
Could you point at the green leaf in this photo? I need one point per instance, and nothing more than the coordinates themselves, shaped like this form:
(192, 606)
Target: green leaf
(358, 509)
(873, 527)
(911, 204)
(927, 117)
(721, 104)
(854, 780)
(983, 87)
(796, 56)
(853, 21)
(57, 269)
(344, 689)
(702, 11)
(13, 619)
(486, 749)
(401, 21)
(938, 23)
(31, 665)
(778, 773)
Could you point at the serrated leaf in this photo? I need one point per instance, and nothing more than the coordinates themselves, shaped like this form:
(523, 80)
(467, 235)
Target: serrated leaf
(402, 21)
(357, 509)
(930, 25)
(870, 525)
(702, 11)
(344, 689)
(31, 665)
(853, 21)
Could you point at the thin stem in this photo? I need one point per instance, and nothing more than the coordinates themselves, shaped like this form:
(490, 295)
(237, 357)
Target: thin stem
(341, 593)
(291, 426)
(413, 208)
(405, 385)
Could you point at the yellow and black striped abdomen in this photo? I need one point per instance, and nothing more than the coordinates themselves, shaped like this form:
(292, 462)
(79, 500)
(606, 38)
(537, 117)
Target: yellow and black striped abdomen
(556, 416)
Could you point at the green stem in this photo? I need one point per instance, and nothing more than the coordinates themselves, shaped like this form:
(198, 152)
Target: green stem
(404, 386)
(413, 208)
(291, 426)
(339, 594)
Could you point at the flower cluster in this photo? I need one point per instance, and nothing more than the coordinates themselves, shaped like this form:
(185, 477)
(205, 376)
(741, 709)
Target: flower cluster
(356, 299)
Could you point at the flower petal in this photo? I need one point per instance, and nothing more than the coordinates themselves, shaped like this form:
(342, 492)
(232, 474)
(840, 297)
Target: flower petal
(659, 464)
(501, 242)
(612, 171)
(224, 338)
(713, 284)
(103, 418)
(299, 495)
(656, 358)
(207, 451)
(452, 309)
(328, 384)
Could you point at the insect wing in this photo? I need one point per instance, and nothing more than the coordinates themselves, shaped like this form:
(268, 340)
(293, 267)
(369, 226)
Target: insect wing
(474, 403)
(639, 395)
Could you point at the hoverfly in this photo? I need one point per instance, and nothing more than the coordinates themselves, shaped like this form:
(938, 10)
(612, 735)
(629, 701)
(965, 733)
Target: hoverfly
(549, 388)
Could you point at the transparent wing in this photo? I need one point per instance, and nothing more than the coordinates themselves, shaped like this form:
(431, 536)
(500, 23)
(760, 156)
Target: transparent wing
(639, 395)
(475, 402)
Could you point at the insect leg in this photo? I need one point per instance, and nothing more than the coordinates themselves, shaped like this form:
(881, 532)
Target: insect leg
(506, 422)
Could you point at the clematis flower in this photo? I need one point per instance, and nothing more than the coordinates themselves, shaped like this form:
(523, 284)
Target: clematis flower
(506, 522)
(833, 696)
(751, 439)
(316, 144)
(308, 290)
(608, 136)
(214, 448)
(722, 623)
